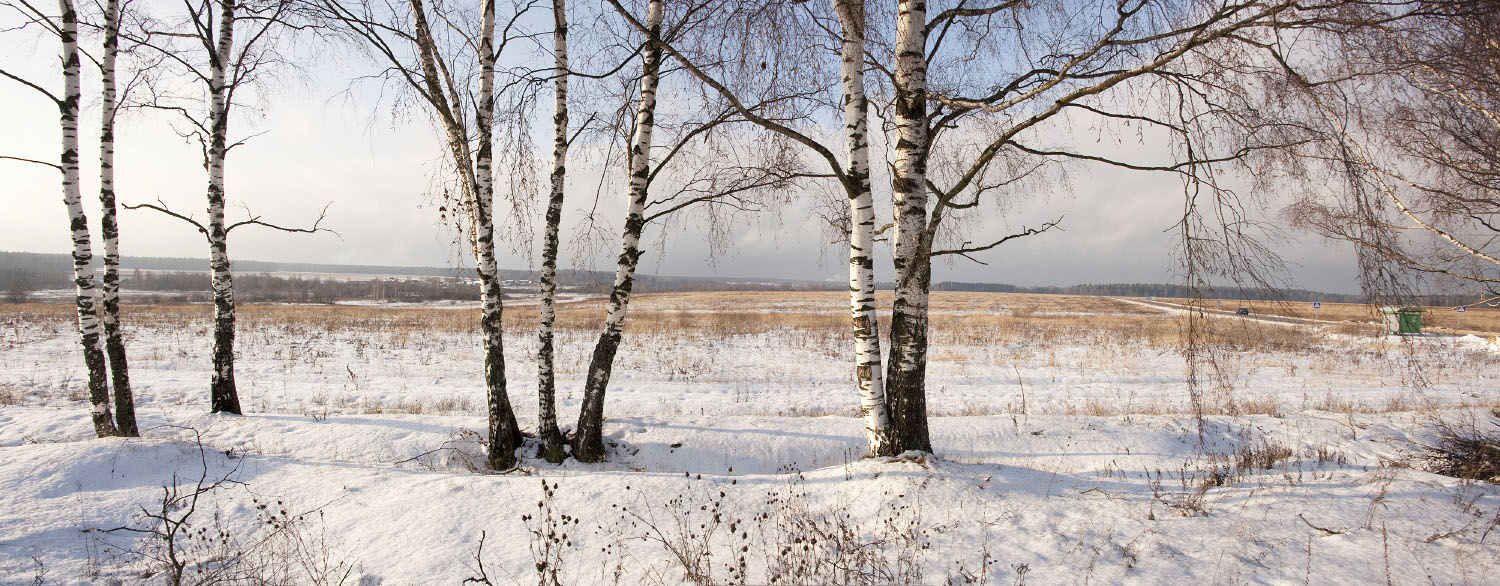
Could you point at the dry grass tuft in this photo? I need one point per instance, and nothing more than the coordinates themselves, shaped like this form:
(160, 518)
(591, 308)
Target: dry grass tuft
(1466, 451)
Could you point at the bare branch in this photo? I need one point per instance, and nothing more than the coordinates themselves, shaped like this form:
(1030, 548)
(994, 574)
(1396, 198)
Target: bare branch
(53, 165)
(729, 96)
(36, 87)
(965, 249)
(162, 207)
(315, 228)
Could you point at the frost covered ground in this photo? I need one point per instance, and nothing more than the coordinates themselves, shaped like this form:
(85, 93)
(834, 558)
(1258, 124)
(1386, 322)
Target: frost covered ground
(1067, 451)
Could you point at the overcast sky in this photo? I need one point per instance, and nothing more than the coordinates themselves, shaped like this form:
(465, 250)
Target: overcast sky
(315, 149)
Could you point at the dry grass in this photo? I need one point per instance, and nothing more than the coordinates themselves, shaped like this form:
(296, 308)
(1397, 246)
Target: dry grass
(1484, 321)
(971, 335)
(958, 319)
(1009, 328)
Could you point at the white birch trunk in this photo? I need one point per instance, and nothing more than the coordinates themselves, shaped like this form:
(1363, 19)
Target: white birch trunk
(477, 184)
(224, 397)
(90, 331)
(109, 228)
(505, 433)
(851, 14)
(588, 440)
(552, 440)
(908, 360)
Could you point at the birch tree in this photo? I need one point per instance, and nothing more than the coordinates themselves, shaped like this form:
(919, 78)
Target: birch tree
(588, 438)
(217, 57)
(856, 105)
(1090, 74)
(712, 176)
(89, 327)
(1012, 78)
(426, 61)
(853, 172)
(1203, 76)
(547, 430)
(114, 340)
(90, 330)
(910, 242)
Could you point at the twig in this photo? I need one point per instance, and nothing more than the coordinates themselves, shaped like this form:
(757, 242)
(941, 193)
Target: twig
(483, 578)
(1324, 531)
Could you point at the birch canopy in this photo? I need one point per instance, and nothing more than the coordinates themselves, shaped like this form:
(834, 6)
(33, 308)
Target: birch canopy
(977, 102)
(219, 51)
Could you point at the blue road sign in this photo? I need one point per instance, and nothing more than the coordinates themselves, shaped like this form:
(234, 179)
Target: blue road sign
(1317, 305)
(1462, 309)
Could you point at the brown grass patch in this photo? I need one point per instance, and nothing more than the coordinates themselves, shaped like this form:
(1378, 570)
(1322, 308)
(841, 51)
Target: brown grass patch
(1483, 321)
(957, 319)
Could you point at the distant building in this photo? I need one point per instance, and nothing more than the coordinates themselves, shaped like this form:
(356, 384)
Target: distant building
(1401, 320)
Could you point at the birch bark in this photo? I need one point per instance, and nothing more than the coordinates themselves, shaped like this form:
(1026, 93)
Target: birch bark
(89, 329)
(223, 396)
(856, 106)
(907, 370)
(477, 184)
(551, 437)
(505, 433)
(109, 228)
(588, 439)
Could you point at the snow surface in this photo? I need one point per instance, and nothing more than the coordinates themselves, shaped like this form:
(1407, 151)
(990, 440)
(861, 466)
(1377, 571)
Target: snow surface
(1065, 462)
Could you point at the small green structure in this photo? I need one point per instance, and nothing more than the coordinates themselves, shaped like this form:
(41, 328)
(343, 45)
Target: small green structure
(1402, 320)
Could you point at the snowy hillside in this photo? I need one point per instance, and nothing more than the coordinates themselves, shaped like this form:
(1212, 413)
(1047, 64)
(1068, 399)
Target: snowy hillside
(1067, 452)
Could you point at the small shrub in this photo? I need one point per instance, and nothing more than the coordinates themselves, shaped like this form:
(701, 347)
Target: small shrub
(1264, 456)
(463, 450)
(185, 539)
(1466, 452)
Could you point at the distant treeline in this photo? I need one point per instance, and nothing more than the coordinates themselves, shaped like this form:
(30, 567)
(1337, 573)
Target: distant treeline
(15, 283)
(1183, 292)
(183, 286)
(593, 281)
(186, 279)
(1158, 290)
(63, 262)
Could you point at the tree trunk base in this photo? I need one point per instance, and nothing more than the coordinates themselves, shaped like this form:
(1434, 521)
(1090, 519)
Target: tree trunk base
(588, 449)
(502, 457)
(552, 448)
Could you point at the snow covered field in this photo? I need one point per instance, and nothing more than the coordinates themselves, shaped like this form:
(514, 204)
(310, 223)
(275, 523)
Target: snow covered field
(1067, 450)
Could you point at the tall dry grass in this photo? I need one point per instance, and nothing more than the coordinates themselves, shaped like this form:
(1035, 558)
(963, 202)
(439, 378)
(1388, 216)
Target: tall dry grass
(1483, 321)
(958, 319)
(1058, 342)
